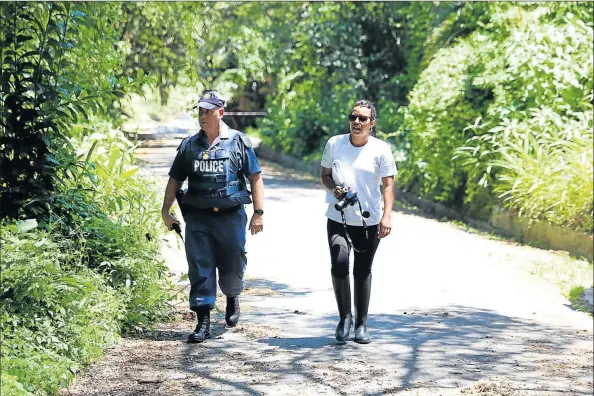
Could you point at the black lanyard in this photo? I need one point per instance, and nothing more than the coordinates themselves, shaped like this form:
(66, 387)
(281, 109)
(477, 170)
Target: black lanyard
(347, 232)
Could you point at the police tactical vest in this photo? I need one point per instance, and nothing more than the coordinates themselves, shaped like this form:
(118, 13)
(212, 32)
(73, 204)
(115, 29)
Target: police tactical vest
(215, 178)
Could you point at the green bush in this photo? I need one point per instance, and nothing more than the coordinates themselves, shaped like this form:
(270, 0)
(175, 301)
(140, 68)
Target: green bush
(549, 176)
(10, 386)
(91, 270)
(505, 114)
(434, 125)
(54, 319)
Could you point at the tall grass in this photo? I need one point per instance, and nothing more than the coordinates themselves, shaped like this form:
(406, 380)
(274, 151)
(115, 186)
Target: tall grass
(549, 176)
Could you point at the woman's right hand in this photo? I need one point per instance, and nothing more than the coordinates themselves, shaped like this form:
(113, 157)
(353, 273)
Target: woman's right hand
(169, 220)
(338, 192)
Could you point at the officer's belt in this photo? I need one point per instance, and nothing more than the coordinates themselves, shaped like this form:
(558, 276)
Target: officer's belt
(219, 192)
(216, 178)
(220, 210)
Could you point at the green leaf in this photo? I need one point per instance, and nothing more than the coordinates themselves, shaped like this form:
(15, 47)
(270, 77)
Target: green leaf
(129, 172)
(26, 225)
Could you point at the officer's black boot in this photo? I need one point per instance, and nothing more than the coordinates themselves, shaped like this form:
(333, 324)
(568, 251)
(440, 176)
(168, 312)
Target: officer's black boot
(362, 293)
(342, 291)
(202, 330)
(232, 311)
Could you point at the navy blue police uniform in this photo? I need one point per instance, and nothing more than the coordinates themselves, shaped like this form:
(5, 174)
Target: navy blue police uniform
(213, 209)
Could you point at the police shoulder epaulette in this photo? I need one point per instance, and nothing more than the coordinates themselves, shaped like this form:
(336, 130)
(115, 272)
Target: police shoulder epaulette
(244, 138)
(183, 144)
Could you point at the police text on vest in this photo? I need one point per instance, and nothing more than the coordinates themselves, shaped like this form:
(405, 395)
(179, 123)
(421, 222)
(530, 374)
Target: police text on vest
(209, 166)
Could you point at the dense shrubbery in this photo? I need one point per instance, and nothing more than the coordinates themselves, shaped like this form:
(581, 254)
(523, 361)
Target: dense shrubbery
(335, 54)
(70, 286)
(56, 315)
(506, 113)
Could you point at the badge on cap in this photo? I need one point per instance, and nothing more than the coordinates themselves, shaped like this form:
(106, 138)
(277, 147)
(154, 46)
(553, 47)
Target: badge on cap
(205, 156)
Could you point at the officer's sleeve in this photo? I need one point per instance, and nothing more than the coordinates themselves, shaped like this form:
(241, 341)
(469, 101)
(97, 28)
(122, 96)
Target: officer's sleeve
(250, 164)
(178, 171)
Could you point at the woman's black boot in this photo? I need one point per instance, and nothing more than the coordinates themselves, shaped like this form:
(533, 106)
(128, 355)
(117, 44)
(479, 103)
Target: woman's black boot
(362, 293)
(342, 291)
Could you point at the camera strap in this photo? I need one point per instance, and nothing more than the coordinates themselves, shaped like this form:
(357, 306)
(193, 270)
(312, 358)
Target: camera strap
(363, 220)
(346, 231)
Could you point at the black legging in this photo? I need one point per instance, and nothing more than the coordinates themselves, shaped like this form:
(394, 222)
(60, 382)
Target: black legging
(340, 249)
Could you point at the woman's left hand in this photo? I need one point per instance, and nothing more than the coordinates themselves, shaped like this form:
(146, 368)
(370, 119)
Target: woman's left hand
(385, 227)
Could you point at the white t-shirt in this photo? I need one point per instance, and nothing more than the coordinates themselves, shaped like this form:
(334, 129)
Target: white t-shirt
(362, 169)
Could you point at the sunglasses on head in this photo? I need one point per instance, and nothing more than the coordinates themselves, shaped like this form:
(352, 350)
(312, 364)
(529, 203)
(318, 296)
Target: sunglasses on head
(363, 119)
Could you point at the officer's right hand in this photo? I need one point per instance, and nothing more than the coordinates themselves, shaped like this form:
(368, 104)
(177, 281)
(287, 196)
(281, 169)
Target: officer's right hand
(169, 220)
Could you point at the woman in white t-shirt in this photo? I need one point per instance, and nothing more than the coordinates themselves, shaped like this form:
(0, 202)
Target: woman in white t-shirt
(362, 163)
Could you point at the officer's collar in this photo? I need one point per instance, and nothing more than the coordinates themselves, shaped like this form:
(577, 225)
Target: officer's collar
(223, 132)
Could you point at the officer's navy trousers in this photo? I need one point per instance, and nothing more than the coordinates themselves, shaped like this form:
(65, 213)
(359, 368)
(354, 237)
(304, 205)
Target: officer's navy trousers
(215, 241)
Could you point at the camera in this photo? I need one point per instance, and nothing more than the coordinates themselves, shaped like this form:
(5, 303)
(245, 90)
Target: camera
(348, 199)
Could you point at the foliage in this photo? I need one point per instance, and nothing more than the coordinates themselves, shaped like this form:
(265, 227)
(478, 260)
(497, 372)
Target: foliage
(111, 216)
(506, 111)
(203, 45)
(548, 176)
(576, 297)
(441, 74)
(543, 148)
(155, 40)
(55, 71)
(10, 386)
(335, 54)
(93, 270)
(53, 318)
(331, 50)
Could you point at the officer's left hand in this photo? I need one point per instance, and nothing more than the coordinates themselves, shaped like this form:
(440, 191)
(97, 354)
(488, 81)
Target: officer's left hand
(256, 223)
(385, 227)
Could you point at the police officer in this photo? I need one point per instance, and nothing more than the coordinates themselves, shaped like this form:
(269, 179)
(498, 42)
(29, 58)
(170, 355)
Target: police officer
(216, 161)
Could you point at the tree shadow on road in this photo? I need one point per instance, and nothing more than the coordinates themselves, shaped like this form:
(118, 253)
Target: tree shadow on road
(445, 348)
(462, 344)
(279, 289)
(275, 351)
